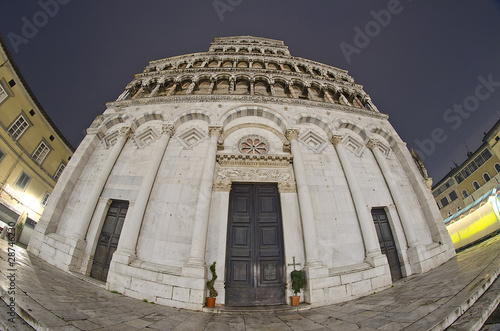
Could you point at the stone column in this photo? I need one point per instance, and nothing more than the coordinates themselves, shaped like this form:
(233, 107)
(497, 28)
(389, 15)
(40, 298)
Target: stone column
(60, 195)
(252, 87)
(328, 96)
(271, 86)
(310, 94)
(231, 84)
(365, 219)
(124, 96)
(292, 92)
(172, 89)
(305, 202)
(138, 92)
(191, 87)
(344, 99)
(80, 229)
(396, 194)
(132, 226)
(195, 266)
(211, 87)
(157, 87)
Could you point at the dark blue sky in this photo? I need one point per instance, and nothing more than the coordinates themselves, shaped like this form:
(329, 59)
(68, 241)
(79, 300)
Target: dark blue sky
(424, 59)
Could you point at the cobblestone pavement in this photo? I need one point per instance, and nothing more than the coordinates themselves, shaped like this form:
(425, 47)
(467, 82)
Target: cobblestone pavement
(50, 299)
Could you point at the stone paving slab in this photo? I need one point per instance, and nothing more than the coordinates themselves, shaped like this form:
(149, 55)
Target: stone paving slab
(50, 299)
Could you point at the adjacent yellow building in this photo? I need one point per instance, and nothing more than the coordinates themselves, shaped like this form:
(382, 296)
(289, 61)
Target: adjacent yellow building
(33, 152)
(477, 175)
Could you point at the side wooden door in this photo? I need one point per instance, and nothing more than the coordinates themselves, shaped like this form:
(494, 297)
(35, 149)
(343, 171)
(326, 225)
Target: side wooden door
(386, 241)
(108, 240)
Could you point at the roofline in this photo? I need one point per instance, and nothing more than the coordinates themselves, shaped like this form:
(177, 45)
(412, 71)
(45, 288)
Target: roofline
(32, 96)
(489, 135)
(456, 169)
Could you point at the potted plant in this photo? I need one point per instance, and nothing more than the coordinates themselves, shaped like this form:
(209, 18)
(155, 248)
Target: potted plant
(19, 230)
(212, 292)
(298, 284)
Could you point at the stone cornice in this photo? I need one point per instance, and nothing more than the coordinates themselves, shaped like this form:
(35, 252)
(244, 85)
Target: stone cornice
(243, 98)
(253, 160)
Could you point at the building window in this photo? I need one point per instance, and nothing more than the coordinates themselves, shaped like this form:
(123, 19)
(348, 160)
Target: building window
(3, 94)
(59, 171)
(45, 199)
(41, 152)
(453, 196)
(475, 184)
(486, 177)
(2, 154)
(465, 193)
(497, 167)
(444, 202)
(18, 127)
(22, 181)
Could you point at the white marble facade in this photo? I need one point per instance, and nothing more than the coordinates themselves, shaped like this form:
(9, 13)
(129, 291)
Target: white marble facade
(171, 147)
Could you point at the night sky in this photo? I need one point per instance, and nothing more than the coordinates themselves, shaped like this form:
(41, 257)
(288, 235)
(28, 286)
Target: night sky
(433, 66)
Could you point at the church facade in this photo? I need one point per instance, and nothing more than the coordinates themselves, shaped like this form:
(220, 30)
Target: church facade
(251, 158)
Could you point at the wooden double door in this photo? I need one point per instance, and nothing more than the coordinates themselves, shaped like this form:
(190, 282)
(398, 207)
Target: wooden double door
(255, 266)
(386, 241)
(108, 240)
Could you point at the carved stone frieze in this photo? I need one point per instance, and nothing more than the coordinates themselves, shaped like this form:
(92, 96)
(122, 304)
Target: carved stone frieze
(225, 175)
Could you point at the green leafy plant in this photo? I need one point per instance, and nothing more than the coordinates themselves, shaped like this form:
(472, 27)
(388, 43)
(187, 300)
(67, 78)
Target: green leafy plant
(298, 281)
(210, 284)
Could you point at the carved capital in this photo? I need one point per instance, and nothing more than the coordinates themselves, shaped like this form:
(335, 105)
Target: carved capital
(168, 128)
(126, 132)
(286, 147)
(292, 134)
(215, 131)
(372, 144)
(222, 185)
(287, 187)
(336, 139)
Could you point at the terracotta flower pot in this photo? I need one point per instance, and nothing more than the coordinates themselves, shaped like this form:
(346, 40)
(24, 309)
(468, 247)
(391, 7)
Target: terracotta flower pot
(294, 300)
(210, 302)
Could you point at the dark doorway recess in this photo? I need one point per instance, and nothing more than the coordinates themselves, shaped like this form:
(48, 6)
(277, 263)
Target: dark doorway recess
(386, 241)
(108, 240)
(255, 267)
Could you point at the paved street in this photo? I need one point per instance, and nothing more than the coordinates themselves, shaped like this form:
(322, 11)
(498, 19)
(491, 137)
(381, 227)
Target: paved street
(54, 300)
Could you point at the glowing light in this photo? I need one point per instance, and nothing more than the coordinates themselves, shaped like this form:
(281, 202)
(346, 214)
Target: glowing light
(476, 225)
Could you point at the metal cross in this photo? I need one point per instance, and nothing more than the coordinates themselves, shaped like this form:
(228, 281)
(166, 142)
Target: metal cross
(294, 264)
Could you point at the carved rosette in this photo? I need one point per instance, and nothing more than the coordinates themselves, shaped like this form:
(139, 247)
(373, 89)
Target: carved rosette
(253, 144)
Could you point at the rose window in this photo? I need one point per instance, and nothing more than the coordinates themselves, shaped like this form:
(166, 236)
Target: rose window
(253, 145)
